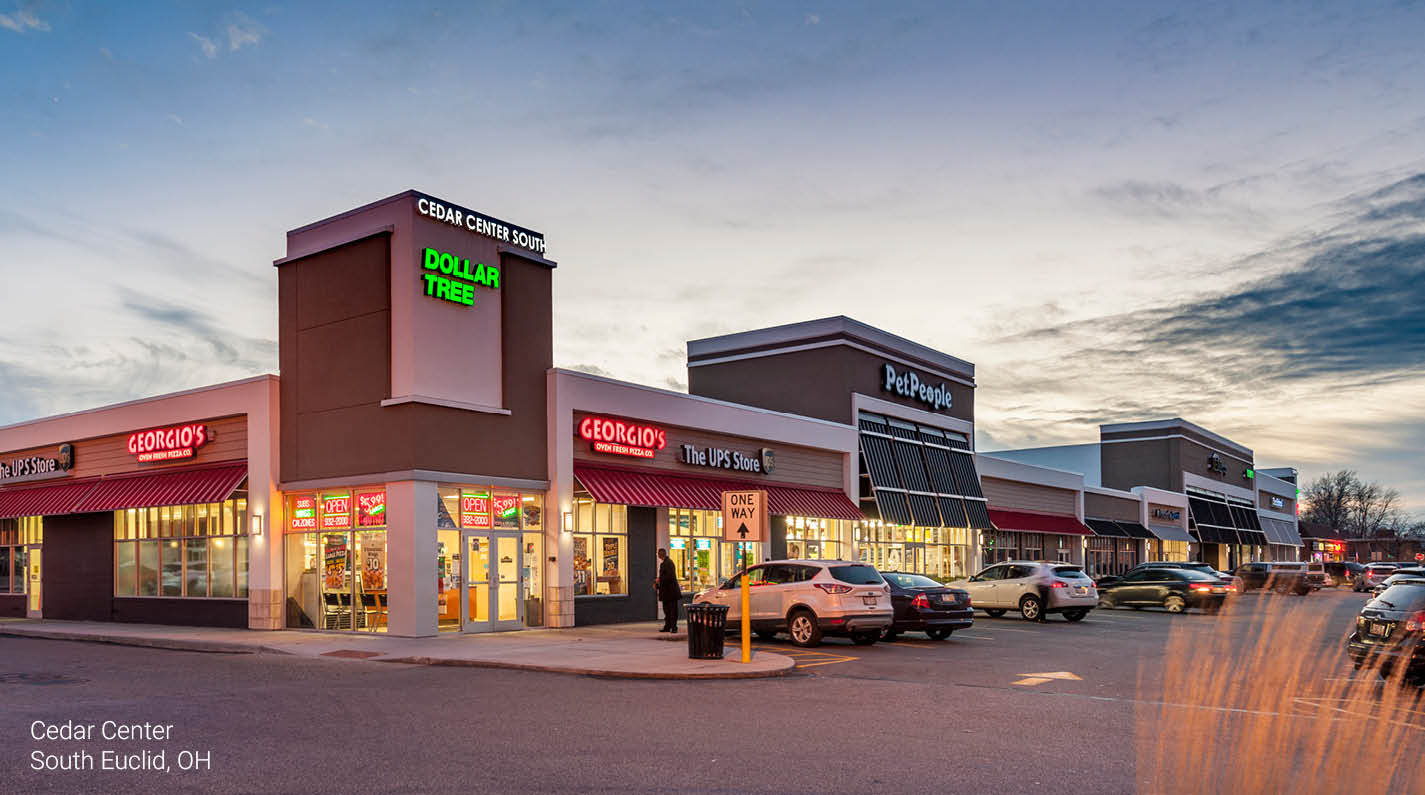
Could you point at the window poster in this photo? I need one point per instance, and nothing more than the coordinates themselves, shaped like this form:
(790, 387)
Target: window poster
(610, 557)
(371, 509)
(583, 581)
(336, 511)
(507, 511)
(304, 513)
(373, 566)
(475, 509)
(335, 560)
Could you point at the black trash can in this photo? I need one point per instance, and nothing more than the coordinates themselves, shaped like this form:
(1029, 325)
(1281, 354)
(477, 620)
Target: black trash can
(707, 627)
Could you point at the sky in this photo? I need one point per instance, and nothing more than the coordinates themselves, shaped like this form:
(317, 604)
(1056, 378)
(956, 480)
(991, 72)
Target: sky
(1117, 211)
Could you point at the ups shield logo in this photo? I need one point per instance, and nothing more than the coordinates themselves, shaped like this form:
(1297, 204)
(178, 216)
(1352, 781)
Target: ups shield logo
(769, 460)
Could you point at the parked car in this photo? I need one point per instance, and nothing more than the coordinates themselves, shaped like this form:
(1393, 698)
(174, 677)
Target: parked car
(1401, 574)
(1282, 577)
(1372, 575)
(1343, 571)
(1231, 580)
(809, 599)
(1390, 633)
(1015, 585)
(1316, 575)
(924, 605)
(1172, 589)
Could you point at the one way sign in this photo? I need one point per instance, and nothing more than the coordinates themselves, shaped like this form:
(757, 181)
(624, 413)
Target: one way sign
(744, 516)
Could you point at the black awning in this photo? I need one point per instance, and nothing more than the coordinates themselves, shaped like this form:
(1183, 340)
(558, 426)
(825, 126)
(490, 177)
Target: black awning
(912, 465)
(1211, 534)
(880, 461)
(952, 510)
(966, 478)
(1135, 530)
(1252, 537)
(1105, 527)
(922, 507)
(942, 476)
(874, 425)
(1210, 512)
(979, 514)
(893, 506)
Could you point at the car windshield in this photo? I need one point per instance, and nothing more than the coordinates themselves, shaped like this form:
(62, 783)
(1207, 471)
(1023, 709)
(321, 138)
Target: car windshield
(911, 580)
(1070, 572)
(856, 574)
(1406, 597)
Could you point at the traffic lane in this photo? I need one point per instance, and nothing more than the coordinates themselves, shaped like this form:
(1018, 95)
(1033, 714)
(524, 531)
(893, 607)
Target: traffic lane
(311, 725)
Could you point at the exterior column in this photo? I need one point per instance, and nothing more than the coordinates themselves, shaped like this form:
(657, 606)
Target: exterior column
(410, 557)
(266, 603)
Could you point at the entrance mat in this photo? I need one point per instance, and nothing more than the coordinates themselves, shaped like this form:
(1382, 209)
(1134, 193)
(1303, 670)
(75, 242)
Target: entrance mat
(352, 654)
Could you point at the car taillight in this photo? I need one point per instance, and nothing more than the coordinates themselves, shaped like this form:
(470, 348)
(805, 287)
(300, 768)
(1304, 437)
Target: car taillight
(920, 601)
(1416, 622)
(1060, 584)
(1200, 586)
(831, 587)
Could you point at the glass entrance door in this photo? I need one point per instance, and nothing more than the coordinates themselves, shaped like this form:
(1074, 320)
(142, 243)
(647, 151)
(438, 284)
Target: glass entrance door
(36, 598)
(490, 598)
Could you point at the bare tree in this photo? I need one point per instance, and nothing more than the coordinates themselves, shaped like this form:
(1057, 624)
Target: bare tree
(1374, 508)
(1328, 499)
(1345, 502)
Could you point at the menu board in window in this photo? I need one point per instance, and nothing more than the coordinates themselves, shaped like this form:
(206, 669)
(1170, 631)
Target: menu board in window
(373, 564)
(334, 560)
(583, 581)
(475, 509)
(507, 511)
(336, 511)
(371, 509)
(304, 513)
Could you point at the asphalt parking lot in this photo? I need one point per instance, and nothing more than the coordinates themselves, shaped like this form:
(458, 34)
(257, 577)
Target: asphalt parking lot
(1259, 699)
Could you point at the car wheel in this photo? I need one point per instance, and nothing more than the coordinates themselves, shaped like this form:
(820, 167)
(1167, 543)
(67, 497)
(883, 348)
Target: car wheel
(889, 634)
(765, 634)
(996, 613)
(938, 634)
(1030, 608)
(1174, 604)
(803, 628)
(866, 638)
(1076, 615)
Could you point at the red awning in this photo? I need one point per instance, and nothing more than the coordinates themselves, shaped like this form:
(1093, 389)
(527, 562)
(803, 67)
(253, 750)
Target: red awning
(58, 498)
(157, 489)
(1038, 523)
(625, 487)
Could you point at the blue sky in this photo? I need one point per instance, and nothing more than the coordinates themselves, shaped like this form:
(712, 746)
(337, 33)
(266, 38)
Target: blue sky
(1118, 211)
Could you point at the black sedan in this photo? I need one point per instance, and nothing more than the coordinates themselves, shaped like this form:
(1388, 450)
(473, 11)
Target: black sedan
(924, 605)
(1390, 633)
(1174, 590)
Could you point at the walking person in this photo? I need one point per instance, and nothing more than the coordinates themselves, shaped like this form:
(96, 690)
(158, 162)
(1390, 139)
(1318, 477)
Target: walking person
(670, 593)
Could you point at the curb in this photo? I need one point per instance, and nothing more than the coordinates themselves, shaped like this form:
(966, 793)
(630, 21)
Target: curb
(170, 644)
(608, 674)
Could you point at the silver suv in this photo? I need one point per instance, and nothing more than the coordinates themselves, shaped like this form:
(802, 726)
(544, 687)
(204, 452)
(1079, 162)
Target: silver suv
(1034, 588)
(808, 599)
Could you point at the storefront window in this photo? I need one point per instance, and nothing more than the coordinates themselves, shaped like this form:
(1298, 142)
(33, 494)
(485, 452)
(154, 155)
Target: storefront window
(182, 550)
(813, 539)
(600, 549)
(532, 523)
(939, 552)
(15, 535)
(336, 576)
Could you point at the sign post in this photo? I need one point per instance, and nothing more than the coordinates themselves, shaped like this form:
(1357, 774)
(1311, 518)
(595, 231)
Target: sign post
(745, 520)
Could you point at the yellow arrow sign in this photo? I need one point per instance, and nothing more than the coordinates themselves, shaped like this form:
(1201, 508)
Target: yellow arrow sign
(1031, 680)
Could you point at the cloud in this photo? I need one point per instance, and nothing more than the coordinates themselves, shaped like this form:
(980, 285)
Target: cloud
(591, 369)
(23, 20)
(207, 45)
(242, 31)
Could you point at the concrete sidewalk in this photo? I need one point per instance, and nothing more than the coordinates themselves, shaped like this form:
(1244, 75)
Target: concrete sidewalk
(632, 651)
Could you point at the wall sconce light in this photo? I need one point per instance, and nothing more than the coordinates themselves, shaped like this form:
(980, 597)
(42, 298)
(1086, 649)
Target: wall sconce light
(257, 524)
(568, 521)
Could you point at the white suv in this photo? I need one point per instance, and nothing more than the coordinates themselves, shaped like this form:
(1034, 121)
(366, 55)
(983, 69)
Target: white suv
(808, 599)
(1021, 585)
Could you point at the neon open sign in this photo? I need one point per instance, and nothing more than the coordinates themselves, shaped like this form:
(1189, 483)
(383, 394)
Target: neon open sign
(167, 444)
(451, 278)
(622, 438)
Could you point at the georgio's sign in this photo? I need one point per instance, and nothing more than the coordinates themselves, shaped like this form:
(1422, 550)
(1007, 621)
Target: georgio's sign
(480, 224)
(606, 435)
(38, 467)
(908, 384)
(167, 444)
(452, 278)
(722, 458)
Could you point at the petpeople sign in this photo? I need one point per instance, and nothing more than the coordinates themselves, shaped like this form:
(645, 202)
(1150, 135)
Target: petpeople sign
(168, 444)
(480, 224)
(38, 467)
(908, 384)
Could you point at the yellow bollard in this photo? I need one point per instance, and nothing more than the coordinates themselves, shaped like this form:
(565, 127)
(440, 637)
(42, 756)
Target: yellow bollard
(746, 620)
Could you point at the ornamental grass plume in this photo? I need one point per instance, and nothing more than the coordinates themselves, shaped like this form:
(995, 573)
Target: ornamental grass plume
(1267, 701)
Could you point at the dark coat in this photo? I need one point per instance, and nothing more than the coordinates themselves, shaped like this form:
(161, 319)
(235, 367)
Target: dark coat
(668, 587)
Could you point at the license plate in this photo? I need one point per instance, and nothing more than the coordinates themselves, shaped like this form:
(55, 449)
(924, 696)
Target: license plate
(1080, 590)
(1380, 629)
(948, 600)
(870, 600)
(1218, 590)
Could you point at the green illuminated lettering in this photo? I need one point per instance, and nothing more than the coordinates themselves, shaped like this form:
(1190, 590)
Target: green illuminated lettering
(467, 294)
(430, 282)
(447, 263)
(430, 256)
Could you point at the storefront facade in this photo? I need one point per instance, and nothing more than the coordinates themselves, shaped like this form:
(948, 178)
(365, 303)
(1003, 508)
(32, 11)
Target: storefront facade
(1277, 495)
(153, 511)
(1039, 512)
